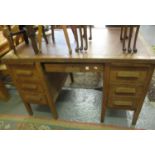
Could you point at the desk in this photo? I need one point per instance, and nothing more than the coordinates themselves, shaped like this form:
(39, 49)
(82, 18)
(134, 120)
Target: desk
(126, 77)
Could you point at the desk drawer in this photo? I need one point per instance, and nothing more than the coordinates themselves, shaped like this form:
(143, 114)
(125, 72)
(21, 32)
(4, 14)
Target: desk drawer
(36, 87)
(73, 67)
(125, 90)
(37, 98)
(123, 102)
(128, 74)
(24, 72)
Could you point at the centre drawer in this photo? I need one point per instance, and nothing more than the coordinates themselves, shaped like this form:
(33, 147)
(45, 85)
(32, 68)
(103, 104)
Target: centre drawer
(73, 67)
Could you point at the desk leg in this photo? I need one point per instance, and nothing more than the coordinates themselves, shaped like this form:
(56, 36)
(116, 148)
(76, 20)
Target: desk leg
(140, 104)
(71, 77)
(28, 108)
(106, 78)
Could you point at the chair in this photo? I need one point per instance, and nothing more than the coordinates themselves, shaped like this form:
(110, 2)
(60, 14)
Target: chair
(83, 36)
(63, 27)
(124, 37)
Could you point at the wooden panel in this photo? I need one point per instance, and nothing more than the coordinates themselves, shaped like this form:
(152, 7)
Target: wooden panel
(73, 67)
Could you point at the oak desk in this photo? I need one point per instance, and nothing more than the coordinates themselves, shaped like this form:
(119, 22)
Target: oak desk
(126, 77)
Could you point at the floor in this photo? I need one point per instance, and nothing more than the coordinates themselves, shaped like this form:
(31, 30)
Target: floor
(80, 102)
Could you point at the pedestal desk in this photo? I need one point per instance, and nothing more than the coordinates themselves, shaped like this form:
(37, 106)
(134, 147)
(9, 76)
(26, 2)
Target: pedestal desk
(126, 77)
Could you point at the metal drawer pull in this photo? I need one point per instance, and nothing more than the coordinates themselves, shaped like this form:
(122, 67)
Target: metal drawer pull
(24, 72)
(127, 74)
(125, 103)
(95, 67)
(28, 86)
(123, 90)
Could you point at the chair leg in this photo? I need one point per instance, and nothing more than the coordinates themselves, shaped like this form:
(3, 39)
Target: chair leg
(121, 35)
(8, 35)
(85, 38)
(90, 32)
(40, 32)
(130, 37)
(74, 30)
(44, 34)
(67, 38)
(135, 39)
(124, 38)
(81, 38)
(52, 31)
(31, 34)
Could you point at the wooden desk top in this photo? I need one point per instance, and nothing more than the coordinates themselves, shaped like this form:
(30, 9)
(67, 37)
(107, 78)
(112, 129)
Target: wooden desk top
(104, 47)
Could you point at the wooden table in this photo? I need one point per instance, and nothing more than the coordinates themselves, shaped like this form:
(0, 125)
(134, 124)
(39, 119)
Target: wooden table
(126, 77)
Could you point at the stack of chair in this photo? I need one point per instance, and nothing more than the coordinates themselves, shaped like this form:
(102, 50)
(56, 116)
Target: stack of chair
(127, 35)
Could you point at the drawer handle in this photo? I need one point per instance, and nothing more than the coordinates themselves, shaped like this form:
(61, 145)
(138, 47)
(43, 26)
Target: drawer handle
(28, 86)
(23, 72)
(123, 90)
(125, 103)
(95, 67)
(87, 68)
(127, 74)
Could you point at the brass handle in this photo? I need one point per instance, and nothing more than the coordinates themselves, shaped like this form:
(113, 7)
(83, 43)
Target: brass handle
(127, 74)
(87, 68)
(123, 90)
(125, 103)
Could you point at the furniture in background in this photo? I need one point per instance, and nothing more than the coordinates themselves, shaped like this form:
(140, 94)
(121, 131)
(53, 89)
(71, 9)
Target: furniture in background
(83, 39)
(128, 36)
(39, 78)
(64, 28)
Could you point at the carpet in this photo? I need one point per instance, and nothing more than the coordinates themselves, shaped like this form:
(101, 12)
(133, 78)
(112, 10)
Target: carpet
(21, 122)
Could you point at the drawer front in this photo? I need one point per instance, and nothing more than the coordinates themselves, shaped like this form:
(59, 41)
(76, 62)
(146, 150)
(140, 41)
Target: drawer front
(73, 67)
(128, 75)
(37, 98)
(24, 72)
(123, 102)
(36, 87)
(125, 90)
